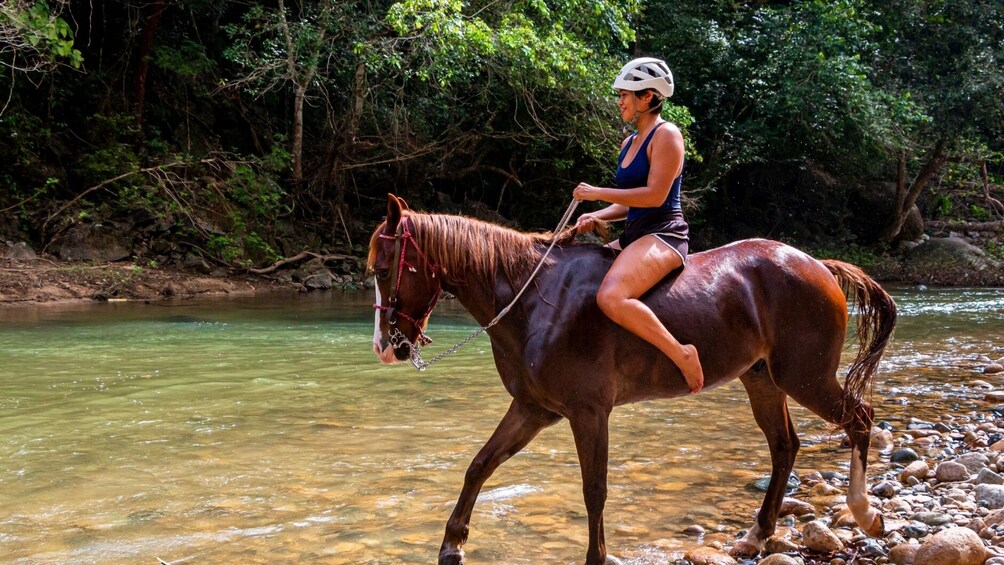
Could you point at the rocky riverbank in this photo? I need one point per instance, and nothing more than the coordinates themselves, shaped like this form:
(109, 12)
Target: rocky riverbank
(939, 485)
(26, 278)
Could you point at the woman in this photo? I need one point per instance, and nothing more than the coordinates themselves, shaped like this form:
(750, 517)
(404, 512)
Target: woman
(655, 240)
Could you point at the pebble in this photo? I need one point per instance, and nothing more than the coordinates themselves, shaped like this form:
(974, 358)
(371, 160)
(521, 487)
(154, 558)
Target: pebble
(945, 507)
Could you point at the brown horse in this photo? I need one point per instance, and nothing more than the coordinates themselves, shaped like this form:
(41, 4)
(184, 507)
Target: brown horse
(758, 310)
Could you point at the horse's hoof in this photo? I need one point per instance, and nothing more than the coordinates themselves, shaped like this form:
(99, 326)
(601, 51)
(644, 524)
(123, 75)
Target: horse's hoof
(611, 560)
(877, 529)
(743, 548)
(451, 557)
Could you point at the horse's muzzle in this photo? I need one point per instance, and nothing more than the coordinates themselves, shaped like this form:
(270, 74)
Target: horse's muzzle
(389, 354)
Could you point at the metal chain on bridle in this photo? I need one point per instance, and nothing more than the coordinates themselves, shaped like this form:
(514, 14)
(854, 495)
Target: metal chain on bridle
(397, 338)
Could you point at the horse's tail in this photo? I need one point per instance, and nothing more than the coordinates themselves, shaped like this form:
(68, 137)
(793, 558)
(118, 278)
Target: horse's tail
(876, 318)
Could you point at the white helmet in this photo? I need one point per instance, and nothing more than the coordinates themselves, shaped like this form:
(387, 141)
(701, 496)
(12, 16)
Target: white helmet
(645, 73)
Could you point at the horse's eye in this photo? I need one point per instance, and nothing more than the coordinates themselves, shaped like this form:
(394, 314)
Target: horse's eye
(382, 273)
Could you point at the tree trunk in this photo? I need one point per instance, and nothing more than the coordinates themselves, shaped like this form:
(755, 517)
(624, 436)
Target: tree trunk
(156, 9)
(907, 199)
(301, 94)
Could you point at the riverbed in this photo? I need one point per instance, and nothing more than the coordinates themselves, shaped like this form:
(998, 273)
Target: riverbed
(263, 429)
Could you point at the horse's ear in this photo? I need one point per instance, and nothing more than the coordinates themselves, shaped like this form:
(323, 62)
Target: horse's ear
(404, 205)
(394, 207)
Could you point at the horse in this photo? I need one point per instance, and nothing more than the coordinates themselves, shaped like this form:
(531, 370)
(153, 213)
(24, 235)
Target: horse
(757, 310)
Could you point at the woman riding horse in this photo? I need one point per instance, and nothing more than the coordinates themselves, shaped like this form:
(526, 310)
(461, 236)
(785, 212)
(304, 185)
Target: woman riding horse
(655, 241)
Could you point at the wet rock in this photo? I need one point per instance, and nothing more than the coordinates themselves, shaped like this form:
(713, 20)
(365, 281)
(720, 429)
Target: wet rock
(781, 559)
(693, 530)
(882, 440)
(793, 483)
(904, 456)
(955, 546)
(992, 369)
(780, 544)
(709, 556)
(817, 537)
(917, 470)
(795, 507)
(951, 472)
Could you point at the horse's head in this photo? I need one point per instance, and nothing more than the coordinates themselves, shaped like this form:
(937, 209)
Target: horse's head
(407, 285)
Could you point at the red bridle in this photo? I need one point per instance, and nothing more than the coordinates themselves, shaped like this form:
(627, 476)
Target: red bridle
(401, 240)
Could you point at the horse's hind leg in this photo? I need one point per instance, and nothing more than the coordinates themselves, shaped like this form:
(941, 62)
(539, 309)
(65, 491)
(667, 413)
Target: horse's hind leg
(770, 410)
(520, 424)
(827, 398)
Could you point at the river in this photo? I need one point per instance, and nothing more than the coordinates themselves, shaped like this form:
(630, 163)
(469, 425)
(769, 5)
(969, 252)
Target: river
(264, 430)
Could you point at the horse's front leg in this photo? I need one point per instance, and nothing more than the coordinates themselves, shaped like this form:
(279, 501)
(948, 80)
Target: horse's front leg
(519, 425)
(589, 428)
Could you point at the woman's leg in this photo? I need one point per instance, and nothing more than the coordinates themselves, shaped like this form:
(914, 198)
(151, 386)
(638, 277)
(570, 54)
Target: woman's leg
(637, 269)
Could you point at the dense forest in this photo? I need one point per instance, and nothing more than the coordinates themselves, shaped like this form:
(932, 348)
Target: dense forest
(248, 131)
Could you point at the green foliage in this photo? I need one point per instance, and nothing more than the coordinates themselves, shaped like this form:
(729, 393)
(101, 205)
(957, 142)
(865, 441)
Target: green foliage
(43, 34)
(942, 205)
(978, 213)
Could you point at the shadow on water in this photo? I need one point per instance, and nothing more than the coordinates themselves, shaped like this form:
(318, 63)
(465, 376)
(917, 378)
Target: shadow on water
(264, 430)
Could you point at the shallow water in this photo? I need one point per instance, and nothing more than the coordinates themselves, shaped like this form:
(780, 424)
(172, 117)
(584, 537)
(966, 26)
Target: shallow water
(263, 430)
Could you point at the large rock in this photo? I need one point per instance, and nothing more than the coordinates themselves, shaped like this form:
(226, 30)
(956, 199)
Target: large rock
(955, 546)
(20, 251)
(991, 496)
(949, 255)
(93, 242)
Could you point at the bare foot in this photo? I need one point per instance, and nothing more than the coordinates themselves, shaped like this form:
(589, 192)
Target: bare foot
(690, 366)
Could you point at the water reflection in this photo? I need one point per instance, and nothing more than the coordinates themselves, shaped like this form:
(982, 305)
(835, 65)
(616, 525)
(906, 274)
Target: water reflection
(263, 430)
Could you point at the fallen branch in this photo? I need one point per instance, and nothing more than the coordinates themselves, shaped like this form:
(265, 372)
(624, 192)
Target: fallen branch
(941, 225)
(300, 257)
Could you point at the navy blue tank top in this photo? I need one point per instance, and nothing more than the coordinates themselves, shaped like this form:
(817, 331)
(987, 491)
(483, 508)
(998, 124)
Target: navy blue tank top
(636, 175)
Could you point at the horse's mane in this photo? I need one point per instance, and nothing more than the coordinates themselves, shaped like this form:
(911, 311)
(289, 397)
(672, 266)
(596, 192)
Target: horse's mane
(466, 248)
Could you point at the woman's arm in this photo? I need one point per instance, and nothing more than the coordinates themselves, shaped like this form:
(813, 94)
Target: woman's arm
(666, 158)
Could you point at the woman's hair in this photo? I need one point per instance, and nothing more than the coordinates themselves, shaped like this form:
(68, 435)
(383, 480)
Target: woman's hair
(655, 106)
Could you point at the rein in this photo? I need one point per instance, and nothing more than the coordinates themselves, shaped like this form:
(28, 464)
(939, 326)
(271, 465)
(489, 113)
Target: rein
(397, 338)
